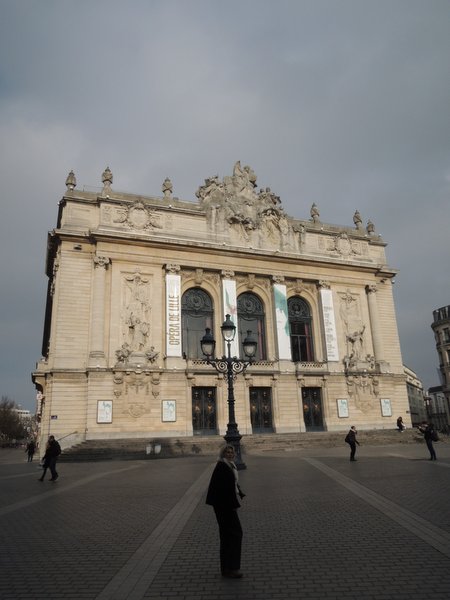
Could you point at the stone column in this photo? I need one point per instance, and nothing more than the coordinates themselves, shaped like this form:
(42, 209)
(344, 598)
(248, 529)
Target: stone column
(97, 351)
(371, 291)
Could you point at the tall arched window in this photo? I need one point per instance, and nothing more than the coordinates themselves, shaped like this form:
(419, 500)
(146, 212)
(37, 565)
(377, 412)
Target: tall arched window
(250, 311)
(300, 325)
(196, 315)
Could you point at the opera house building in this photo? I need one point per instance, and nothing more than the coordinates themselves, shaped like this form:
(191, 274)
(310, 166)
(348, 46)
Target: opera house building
(134, 282)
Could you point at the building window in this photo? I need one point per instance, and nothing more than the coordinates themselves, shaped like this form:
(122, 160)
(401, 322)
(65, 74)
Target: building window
(300, 325)
(446, 334)
(196, 315)
(251, 317)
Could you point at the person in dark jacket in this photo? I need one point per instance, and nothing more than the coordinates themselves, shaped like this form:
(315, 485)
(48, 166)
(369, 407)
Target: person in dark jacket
(52, 451)
(352, 441)
(30, 450)
(224, 495)
(430, 436)
(400, 425)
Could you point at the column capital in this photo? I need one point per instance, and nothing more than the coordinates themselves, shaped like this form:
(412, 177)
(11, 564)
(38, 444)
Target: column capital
(101, 261)
(227, 274)
(371, 288)
(277, 279)
(172, 268)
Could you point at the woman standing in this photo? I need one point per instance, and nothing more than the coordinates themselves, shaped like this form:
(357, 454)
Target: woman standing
(224, 496)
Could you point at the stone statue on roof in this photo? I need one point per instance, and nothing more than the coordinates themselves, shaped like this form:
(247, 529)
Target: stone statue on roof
(357, 220)
(314, 212)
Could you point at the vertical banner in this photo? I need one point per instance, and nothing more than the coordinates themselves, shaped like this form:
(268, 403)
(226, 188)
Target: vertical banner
(329, 325)
(282, 321)
(173, 315)
(230, 308)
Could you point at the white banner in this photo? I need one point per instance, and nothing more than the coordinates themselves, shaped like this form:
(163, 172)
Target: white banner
(282, 320)
(173, 315)
(329, 325)
(230, 308)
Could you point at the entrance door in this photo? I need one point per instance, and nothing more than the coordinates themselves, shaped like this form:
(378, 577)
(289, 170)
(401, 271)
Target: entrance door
(204, 411)
(261, 409)
(312, 409)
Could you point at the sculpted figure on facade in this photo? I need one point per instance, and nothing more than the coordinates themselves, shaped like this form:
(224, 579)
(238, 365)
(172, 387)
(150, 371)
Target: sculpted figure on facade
(107, 179)
(256, 219)
(355, 342)
(354, 331)
(314, 212)
(357, 220)
(167, 188)
(152, 355)
(71, 181)
(136, 312)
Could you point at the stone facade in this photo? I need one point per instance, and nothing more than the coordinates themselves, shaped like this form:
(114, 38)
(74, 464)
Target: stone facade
(132, 277)
(441, 329)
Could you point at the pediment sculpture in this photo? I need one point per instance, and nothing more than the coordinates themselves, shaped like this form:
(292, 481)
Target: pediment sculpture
(256, 218)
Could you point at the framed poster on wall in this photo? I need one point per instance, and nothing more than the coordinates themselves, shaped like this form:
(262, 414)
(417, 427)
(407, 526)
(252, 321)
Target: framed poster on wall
(104, 411)
(342, 407)
(169, 411)
(386, 408)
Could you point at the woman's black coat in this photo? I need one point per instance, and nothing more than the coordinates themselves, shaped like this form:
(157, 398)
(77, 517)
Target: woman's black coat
(222, 488)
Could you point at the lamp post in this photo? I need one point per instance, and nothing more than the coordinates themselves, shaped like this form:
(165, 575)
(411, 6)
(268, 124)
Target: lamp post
(231, 366)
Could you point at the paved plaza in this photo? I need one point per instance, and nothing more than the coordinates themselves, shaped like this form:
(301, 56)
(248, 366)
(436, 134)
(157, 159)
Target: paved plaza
(315, 526)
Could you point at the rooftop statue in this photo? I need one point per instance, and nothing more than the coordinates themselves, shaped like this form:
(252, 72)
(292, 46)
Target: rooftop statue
(167, 188)
(107, 176)
(71, 181)
(107, 179)
(315, 215)
(357, 220)
(370, 228)
(256, 217)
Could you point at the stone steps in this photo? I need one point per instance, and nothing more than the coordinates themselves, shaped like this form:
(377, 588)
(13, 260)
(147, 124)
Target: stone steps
(152, 448)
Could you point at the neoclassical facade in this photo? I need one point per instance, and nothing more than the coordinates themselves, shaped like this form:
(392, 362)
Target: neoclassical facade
(134, 281)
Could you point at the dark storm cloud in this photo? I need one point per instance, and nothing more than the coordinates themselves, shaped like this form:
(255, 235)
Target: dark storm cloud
(340, 103)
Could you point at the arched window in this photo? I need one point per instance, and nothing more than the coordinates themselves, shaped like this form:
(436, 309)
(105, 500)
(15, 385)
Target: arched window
(300, 325)
(250, 311)
(196, 315)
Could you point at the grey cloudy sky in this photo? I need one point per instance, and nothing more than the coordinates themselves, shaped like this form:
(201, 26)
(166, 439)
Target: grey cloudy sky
(342, 103)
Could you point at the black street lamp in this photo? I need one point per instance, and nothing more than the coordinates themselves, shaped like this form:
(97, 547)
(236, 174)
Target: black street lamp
(232, 366)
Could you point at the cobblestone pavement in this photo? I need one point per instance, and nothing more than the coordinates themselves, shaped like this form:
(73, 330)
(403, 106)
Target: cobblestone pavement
(315, 526)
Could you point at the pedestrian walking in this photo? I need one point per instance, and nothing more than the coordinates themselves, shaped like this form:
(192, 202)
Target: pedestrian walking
(351, 440)
(224, 495)
(52, 451)
(30, 450)
(400, 424)
(430, 435)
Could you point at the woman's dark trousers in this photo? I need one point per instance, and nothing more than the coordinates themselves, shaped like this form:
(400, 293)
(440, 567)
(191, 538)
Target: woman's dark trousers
(230, 531)
(352, 450)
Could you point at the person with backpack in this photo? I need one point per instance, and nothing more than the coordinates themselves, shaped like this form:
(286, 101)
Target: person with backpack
(351, 440)
(430, 435)
(52, 451)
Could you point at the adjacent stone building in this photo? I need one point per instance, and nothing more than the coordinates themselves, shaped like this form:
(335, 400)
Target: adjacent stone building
(416, 398)
(441, 329)
(134, 281)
